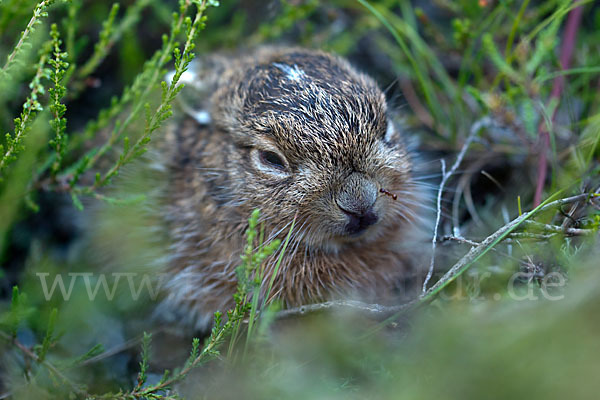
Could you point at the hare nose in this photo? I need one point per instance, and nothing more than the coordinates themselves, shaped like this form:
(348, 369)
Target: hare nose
(356, 199)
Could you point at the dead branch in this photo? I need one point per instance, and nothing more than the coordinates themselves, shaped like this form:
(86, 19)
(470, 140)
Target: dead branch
(555, 229)
(475, 128)
(376, 310)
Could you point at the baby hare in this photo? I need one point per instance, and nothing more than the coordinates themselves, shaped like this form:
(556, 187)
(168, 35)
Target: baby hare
(304, 137)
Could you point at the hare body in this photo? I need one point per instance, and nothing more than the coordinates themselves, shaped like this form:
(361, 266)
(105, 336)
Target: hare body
(300, 135)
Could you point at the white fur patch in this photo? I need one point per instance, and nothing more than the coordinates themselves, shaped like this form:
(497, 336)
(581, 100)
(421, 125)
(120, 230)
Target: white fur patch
(188, 76)
(202, 116)
(389, 133)
(292, 72)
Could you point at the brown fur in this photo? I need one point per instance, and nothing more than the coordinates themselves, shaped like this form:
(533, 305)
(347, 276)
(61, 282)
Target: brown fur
(329, 125)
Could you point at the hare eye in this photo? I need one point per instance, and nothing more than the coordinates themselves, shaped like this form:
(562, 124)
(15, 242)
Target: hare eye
(271, 159)
(269, 162)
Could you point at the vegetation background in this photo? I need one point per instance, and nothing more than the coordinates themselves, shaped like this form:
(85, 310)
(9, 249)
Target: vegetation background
(81, 98)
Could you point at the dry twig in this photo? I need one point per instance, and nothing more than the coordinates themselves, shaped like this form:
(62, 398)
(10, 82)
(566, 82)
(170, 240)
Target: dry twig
(475, 128)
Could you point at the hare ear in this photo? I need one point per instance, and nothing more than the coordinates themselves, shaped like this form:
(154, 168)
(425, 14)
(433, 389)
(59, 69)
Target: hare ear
(200, 80)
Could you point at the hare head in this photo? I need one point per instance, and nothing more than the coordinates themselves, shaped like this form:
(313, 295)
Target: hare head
(310, 138)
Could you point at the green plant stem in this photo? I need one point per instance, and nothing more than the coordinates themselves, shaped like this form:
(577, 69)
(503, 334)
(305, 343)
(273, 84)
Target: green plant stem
(164, 57)
(210, 347)
(108, 39)
(164, 106)
(254, 309)
(279, 259)
(561, 12)
(426, 87)
(31, 105)
(38, 13)
(59, 124)
(513, 31)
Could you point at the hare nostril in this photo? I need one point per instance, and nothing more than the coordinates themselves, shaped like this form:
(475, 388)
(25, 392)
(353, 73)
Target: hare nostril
(359, 222)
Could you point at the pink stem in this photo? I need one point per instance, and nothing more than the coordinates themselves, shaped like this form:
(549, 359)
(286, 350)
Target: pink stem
(566, 53)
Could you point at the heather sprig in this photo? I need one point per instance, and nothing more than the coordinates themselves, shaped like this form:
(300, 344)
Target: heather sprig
(57, 92)
(111, 34)
(142, 87)
(14, 142)
(36, 19)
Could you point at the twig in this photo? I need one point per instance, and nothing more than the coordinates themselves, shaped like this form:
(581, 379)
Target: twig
(464, 188)
(368, 308)
(475, 128)
(460, 240)
(438, 216)
(115, 350)
(566, 53)
(532, 236)
(560, 229)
